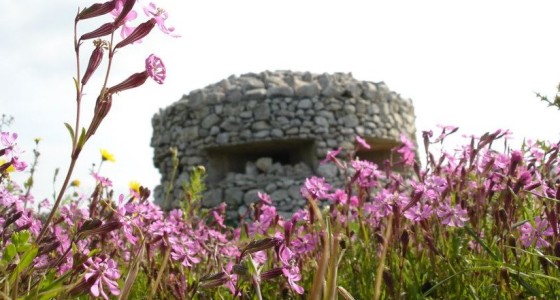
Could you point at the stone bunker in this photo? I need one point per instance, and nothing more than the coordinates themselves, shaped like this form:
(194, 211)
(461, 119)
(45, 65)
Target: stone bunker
(269, 131)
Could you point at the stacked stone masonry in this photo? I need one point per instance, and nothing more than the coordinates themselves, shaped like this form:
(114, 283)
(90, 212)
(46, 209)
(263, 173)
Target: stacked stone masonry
(269, 131)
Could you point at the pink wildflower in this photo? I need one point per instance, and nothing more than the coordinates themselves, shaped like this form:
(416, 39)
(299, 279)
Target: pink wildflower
(126, 30)
(315, 188)
(362, 142)
(265, 198)
(331, 156)
(418, 212)
(105, 273)
(155, 68)
(160, 16)
(537, 234)
(452, 216)
(406, 150)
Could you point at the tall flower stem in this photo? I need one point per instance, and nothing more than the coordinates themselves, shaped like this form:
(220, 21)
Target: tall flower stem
(58, 198)
(381, 266)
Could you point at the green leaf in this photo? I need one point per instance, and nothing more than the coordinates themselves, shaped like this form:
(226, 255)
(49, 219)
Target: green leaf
(26, 260)
(71, 131)
(82, 139)
(76, 83)
(9, 253)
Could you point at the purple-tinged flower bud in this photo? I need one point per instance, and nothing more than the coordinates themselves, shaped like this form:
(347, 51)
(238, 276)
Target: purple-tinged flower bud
(389, 282)
(127, 7)
(552, 218)
(505, 275)
(288, 230)
(89, 225)
(271, 274)
(139, 33)
(103, 30)
(256, 246)
(522, 180)
(531, 186)
(240, 270)
(103, 229)
(405, 238)
(102, 107)
(512, 243)
(12, 218)
(215, 280)
(46, 248)
(97, 9)
(557, 249)
(516, 158)
(545, 264)
(135, 80)
(94, 60)
(502, 214)
(83, 287)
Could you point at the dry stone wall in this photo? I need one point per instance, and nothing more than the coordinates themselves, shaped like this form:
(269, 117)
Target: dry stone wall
(269, 131)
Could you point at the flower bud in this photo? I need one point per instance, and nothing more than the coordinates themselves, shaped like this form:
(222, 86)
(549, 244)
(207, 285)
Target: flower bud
(12, 218)
(505, 275)
(103, 30)
(512, 243)
(97, 9)
(557, 249)
(271, 274)
(102, 107)
(135, 80)
(103, 229)
(89, 225)
(139, 33)
(240, 270)
(388, 280)
(94, 60)
(215, 280)
(46, 248)
(405, 238)
(256, 246)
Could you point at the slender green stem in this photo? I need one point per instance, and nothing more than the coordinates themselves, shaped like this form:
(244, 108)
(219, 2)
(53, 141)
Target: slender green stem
(75, 151)
(381, 266)
(160, 273)
(58, 199)
(257, 287)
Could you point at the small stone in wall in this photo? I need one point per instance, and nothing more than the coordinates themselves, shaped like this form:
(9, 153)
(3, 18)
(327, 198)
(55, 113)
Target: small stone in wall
(264, 164)
(212, 198)
(251, 169)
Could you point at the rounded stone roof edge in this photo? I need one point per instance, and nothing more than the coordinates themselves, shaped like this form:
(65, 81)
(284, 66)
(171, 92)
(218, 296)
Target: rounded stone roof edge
(285, 83)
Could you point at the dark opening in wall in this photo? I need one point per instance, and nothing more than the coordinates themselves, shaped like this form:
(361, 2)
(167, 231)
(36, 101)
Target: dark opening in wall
(379, 152)
(234, 158)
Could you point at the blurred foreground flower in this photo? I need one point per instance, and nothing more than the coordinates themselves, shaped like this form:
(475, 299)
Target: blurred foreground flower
(106, 155)
(104, 272)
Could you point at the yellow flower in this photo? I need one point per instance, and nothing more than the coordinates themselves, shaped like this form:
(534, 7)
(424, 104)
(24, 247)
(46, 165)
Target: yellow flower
(105, 155)
(10, 168)
(75, 183)
(134, 185)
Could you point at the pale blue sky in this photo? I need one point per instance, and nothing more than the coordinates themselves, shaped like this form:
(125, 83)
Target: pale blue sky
(473, 64)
